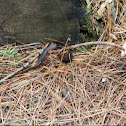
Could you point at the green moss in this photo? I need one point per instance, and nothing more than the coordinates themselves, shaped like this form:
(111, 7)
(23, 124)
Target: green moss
(87, 33)
(88, 30)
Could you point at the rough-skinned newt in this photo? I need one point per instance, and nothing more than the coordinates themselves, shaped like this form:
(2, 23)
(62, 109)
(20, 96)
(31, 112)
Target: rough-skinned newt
(42, 57)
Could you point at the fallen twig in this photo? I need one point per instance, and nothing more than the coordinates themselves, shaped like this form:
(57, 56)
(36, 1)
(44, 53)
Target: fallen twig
(92, 43)
(18, 70)
(27, 57)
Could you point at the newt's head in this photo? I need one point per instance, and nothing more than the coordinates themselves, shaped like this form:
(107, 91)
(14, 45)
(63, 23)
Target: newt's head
(49, 49)
(52, 46)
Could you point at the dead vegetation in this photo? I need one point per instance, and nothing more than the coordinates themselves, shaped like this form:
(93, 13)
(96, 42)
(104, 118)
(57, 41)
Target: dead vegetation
(89, 90)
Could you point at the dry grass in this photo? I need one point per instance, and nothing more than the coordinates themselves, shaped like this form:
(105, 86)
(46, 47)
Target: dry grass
(35, 98)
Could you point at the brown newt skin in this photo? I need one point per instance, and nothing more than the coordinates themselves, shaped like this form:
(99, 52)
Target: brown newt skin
(42, 57)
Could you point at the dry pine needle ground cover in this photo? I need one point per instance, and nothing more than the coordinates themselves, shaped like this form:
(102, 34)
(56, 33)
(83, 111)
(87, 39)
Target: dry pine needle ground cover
(89, 90)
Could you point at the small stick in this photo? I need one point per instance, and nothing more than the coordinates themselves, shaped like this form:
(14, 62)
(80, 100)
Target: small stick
(27, 57)
(18, 70)
(54, 40)
(96, 43)
(25, 44)
(92, 43)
